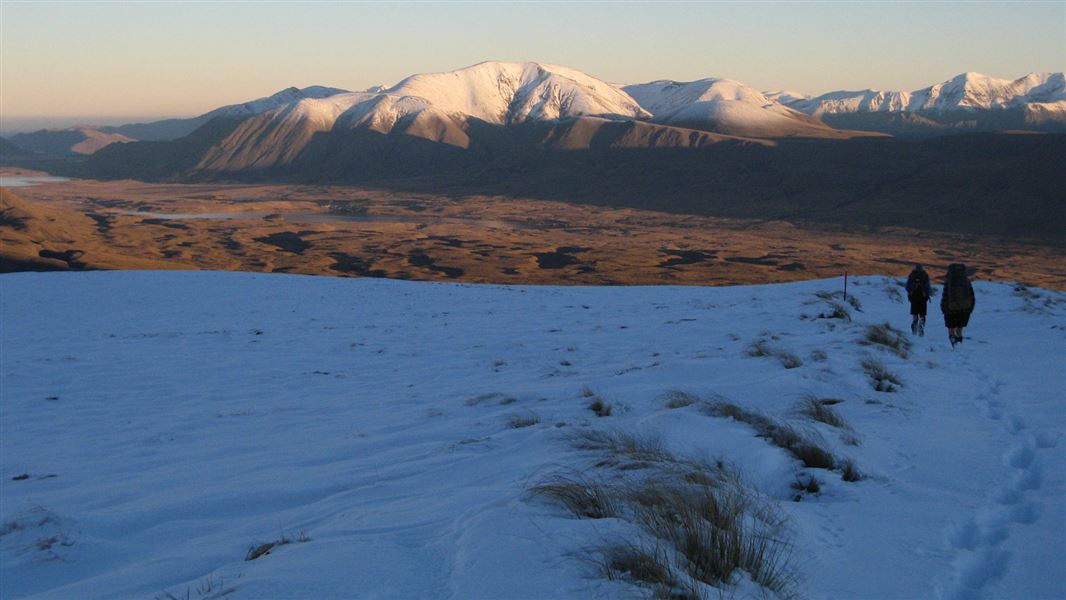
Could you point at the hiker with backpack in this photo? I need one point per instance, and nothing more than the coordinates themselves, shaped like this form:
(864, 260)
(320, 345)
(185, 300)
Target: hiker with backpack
(957, 301)
(919, 291)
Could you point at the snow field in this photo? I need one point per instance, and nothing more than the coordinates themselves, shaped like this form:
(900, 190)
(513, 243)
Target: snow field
(156, 426)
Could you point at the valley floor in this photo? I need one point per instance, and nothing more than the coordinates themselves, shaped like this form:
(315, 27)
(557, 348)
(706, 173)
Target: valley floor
(157, 426)
(447, 236)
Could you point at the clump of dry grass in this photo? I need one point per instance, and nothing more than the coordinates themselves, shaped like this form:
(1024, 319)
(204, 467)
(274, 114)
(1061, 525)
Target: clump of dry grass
(837, 312)
(817, 409)
(880, 377)
(788, 359)
(601, 408)
(715, 532)
(887, 337)
(597, 404)
(260, 550)
(782, 435)
(855, 303)
(849, 472)
(700, 524)
(808, 484)
(645, 565)
(584, 497)
(621, 449)
(674, 399)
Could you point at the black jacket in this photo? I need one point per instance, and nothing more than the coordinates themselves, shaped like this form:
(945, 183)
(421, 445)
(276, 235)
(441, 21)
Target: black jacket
(918, 286)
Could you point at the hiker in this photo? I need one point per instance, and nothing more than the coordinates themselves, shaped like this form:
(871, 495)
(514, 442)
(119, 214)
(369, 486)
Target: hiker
(957, 301)
(919, 291)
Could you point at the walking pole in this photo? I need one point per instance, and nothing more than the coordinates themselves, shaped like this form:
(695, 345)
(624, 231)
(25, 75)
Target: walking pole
(845, 285)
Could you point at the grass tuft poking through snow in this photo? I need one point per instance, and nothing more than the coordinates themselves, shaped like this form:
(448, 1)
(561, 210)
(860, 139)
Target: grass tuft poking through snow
(584, 497)
(880, 377)
(887, 337)
(716, 531)
(260, 550)
(700, 524)
(644, 565)
(849, 472)
(818, 409)
(788, 359)
(799, 445)
(674, 399)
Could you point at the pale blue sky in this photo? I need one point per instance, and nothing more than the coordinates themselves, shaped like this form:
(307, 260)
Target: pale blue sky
(112, 61)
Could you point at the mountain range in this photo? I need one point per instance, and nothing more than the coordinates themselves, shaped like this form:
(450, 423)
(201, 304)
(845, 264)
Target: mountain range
(513, 93)
(495, 111)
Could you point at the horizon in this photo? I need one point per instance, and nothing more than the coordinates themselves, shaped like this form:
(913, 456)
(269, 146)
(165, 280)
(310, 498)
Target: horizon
(211, 55)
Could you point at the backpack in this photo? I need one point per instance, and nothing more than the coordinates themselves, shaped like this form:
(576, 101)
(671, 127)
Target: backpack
(917, 284)
(957, 290)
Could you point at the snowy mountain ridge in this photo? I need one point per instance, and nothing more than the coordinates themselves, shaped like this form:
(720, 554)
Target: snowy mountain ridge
(724, 106)
(966, 91)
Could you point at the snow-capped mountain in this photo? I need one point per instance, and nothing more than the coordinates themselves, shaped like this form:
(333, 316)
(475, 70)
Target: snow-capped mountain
(169, 129)
(446, 108)
(506, 93)
(724, 106)
(967, 101)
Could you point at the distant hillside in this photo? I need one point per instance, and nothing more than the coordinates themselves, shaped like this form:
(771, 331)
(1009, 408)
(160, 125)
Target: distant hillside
(73, 140)
(965, 103)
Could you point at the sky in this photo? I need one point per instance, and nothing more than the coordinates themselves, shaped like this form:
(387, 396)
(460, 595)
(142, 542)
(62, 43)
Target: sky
(113, 62)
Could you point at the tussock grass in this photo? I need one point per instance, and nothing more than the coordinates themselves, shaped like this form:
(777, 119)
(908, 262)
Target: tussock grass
(584, 497)
(849, 472)
(677, 399)
(715, 533)
(623, 449)
(645, 565)
(817, 409)
(260, 550)
(597, 403)
(837, 311)
(761, 348)
(700, 524)
(801, 446)
(601, 408)
(887, 337)
(807, 484)
(881, 378)
(855, 303)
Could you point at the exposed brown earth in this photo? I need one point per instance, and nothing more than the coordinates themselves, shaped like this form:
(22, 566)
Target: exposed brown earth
(352, 231)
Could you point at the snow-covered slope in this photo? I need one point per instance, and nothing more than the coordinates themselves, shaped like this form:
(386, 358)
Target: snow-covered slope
(155, 427)
(277, 136)
(724, 106)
